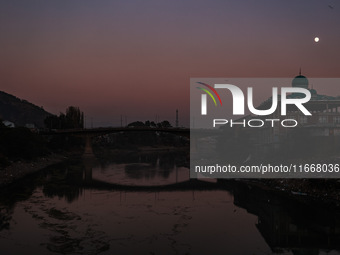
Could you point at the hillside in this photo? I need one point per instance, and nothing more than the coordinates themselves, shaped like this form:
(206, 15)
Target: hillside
(21, 112)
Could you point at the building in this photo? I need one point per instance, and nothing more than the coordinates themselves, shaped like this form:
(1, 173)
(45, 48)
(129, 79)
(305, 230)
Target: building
(321, 129)
(8, 124)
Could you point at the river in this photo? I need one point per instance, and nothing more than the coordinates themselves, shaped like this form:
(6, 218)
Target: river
(146, 204)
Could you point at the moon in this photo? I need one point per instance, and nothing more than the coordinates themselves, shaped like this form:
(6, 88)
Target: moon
(316, 39)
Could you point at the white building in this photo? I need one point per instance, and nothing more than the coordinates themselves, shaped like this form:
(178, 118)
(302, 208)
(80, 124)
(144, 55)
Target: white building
(8, 124)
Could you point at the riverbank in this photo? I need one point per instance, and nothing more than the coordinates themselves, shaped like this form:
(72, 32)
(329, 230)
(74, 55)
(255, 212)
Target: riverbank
(20, 169)
(323, 192)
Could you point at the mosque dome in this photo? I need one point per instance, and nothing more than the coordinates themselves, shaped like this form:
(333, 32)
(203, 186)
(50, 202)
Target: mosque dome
(300, 81)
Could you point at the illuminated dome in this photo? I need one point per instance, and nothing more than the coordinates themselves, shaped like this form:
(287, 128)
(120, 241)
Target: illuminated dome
(300, 81)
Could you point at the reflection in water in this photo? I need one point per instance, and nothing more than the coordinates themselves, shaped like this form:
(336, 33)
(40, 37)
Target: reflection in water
(144, 169)
(90, 208)
(305, 229)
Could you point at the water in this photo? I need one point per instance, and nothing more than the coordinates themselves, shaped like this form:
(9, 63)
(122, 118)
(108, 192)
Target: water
(145, 204)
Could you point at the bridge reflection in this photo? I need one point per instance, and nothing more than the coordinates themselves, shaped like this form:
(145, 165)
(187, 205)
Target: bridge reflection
(286, 225)
(191, 184)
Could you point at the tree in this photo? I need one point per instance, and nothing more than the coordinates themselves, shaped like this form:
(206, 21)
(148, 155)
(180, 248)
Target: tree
(164, 124)
(73, 118)
(52, 121)
(136, 124)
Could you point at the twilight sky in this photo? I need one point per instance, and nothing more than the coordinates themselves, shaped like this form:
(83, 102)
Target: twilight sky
(136, 57)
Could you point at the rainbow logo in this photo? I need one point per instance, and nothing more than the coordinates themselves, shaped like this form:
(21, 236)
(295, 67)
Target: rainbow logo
(209, 93)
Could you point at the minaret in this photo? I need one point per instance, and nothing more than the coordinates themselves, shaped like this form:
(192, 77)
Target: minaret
(176, 118)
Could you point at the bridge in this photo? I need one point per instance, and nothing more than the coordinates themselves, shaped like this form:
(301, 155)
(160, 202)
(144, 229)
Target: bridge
(185, 132)
(93, 132)
(102, 131)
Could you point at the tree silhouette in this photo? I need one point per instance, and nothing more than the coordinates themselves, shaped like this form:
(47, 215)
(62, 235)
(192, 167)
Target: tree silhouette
(148, 123)
(164, 124)
(73, 118)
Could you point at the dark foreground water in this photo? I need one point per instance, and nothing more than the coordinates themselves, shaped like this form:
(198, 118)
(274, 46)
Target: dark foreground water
(146, 204)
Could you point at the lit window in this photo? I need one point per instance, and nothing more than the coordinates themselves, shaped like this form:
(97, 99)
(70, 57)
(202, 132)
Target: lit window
(323, 119)
(303, 119)
(336, 119)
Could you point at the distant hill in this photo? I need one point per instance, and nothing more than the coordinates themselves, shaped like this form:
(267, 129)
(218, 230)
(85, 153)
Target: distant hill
(21, 112)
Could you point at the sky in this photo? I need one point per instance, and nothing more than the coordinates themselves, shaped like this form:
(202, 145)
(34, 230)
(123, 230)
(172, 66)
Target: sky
(135, 58)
